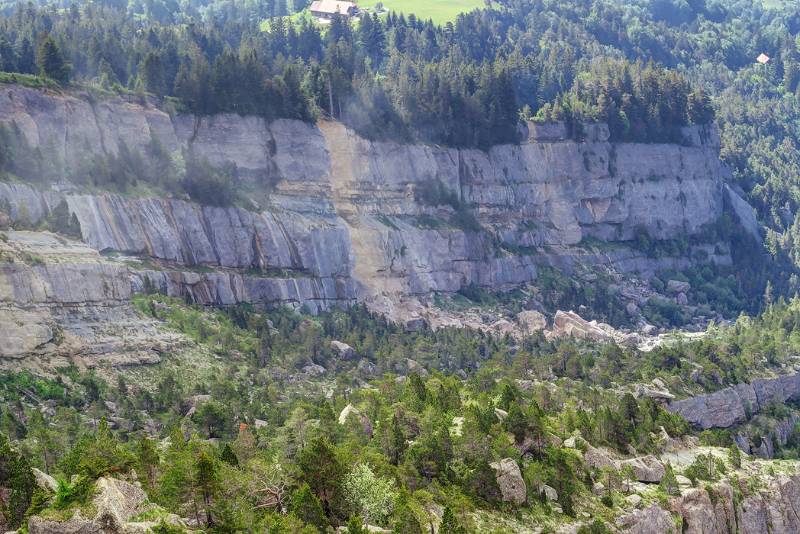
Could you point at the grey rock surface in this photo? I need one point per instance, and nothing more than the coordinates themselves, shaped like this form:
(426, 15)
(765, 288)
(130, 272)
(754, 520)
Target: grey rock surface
(509, 479)
(345, 207)
(651, 520)
(345, 220)
(736, 404)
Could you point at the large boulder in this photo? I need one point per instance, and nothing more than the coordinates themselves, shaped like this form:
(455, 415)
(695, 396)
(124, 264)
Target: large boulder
(653, 391)
(550, 493)
(45, 481)
(77, 524)
(345, 351)
(116, 502)
(675, 287)
(651, 520)
(571, 324)
(351, 411)
(645, 468)
(531, 321)
(510, 481)
(599, 458)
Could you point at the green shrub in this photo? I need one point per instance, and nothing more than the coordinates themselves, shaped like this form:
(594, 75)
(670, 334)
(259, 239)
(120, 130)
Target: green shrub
(69, 494)
(207, 185)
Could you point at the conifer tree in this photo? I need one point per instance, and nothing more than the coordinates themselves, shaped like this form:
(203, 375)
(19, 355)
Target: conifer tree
(51, 62)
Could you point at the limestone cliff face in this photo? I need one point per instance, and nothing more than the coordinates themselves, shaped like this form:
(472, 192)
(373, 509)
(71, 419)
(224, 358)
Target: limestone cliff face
(345, 220)
(736, 404)
(62, 303)
(724, 508)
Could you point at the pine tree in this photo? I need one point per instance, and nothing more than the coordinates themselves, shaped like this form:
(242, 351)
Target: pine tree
(228, 456)
(450, 524)
(26, 60)
(147, 459)
(356, 526)
(397, 440)
(735, 456)
(151, 75)
(17, 476)
(307, 507)
(322, 469)
(516, 422)
(51, 62)
(206, 480)
(768, 296)
(670, 482)
(8, 57)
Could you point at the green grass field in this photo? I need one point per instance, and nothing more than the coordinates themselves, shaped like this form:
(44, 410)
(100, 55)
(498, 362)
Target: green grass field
(440, 11)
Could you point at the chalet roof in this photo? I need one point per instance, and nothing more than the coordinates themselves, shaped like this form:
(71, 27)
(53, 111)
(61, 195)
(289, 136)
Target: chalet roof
(763, 58)
(332, 6)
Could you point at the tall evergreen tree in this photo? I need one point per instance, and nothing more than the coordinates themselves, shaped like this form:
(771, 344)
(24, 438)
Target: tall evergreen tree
(51, 62)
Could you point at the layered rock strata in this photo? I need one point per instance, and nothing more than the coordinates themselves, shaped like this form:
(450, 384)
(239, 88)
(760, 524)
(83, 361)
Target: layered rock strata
(350, 218)
(736, 404)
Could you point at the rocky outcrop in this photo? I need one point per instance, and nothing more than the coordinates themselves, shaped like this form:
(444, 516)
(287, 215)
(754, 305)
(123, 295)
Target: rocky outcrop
(772, 434)
(531, 321)
(772, 509)
(351, 411)
(510, 481)
(724, 508)
(570, 323)
(352, 213)
(115, 503)
(743, 212)
(736, 404)
(44, 481)
(651, 520)
(644, 468)
(340, 219)
(343, 350)
(62, 303)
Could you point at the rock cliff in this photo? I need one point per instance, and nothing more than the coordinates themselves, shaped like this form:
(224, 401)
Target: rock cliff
(345, 213)
(342, 219)
(62, 303)
(736, 404)
(724, 508)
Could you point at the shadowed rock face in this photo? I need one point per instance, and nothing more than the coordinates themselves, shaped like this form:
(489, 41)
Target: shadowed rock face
(733, 405)
(772, 508)
(346, 217)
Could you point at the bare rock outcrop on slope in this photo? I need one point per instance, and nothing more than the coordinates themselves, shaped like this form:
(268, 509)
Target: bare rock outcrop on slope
(736, 404)
(510, 481)
(116, 503)
(726, 507)
(61, 303)
(651, 520)
(645, 468)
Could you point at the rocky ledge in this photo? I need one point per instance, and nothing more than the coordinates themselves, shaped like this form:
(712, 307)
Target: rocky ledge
(61, 303)
(736, 404)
